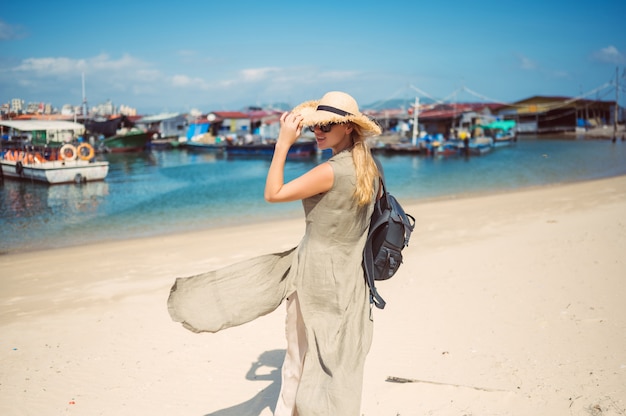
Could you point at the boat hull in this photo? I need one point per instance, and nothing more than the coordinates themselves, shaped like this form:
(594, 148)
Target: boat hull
(502, 142)
(129, 142)
(448, 149)
(161, 144)
(398, 149)
(479, 150)
(211, 147)
(56, 172)
(297, 150)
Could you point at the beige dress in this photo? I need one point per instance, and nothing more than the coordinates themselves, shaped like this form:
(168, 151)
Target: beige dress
(326, 273)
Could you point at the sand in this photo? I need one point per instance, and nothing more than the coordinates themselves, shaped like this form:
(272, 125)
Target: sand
(509, 304)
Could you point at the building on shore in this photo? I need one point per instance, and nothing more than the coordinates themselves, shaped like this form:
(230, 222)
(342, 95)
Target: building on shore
(445, 119)
(548, 115)
(165, 125)
(535, 115)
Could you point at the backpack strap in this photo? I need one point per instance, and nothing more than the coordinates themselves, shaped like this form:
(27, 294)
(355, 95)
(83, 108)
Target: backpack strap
(368, 255)
(407, 220)
(368, 262)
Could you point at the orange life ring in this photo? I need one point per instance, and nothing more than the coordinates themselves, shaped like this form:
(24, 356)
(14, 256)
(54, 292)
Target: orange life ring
(68, 148)
(90, 151)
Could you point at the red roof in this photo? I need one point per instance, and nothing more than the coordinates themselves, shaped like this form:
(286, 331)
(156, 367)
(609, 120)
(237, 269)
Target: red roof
(263, 115)
(230, 114)
(44, 117)
(441, 111)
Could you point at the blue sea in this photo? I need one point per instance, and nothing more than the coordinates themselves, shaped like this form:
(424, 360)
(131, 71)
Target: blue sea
(158, 192)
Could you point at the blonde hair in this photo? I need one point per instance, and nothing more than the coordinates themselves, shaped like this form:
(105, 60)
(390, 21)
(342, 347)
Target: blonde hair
(366, 170)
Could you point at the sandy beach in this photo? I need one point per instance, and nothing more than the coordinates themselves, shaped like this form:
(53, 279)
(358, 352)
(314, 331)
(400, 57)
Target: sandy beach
(508, 304)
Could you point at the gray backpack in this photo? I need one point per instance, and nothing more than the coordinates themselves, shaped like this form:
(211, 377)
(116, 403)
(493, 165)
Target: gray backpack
(389, 232)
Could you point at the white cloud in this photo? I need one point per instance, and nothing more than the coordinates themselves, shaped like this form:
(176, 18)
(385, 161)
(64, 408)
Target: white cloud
(526, 63)
(47, 66)
(69, 66)
(193, 84)
(258, 74)
(132, 81)
(103, 62)
(186, 81)
(609, 55)
(250, 76)
(339, 75)
(181, 81)
(292, 77)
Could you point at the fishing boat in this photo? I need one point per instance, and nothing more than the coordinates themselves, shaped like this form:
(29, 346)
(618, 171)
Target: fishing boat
(501, 131)
(200, 140)
(480, 145)
(397, 148)
(300, 149)
(133, 140)
(68, 167)
(203, 146)
(448, 148)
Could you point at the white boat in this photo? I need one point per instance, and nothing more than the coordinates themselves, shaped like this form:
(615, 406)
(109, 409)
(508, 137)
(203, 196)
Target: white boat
(56, 172)
(502, 131)
(480, 145)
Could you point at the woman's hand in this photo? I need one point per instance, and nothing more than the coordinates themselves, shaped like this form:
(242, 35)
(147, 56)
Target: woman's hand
(290, 129)
(317, 180)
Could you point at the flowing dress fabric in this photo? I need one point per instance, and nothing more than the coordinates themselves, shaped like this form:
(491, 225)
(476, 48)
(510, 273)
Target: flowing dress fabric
(326, 272)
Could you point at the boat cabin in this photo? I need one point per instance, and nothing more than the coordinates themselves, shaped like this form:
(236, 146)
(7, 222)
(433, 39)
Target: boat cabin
(40, 132)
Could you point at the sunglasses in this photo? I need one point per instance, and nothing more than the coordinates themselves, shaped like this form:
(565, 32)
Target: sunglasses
(324, 128)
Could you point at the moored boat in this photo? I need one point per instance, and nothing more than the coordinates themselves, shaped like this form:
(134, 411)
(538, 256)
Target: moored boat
(300, 149)
(398, 148)
(480, 145)
(501, 131)
(201, 140)
(448, 148)
(70, 167)
(204, 146)
(133, 140)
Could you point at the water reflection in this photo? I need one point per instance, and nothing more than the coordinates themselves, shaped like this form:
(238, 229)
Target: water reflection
(129, 162)
(78, 199)
(31, 212)
(22, 199)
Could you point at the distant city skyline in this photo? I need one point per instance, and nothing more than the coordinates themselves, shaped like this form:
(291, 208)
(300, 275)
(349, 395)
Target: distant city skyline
(168, 57)
(105, 108)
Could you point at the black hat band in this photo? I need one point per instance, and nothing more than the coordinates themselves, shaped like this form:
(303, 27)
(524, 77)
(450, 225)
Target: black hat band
(333, 110)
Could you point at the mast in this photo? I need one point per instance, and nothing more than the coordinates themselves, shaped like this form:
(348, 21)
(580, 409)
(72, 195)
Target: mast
(84, 99)
(615, 109)
(415, 119)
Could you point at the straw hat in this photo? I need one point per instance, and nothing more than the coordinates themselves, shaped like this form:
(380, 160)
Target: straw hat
(336, 107)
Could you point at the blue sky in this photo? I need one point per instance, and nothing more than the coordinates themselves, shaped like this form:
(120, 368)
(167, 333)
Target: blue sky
(177, 56)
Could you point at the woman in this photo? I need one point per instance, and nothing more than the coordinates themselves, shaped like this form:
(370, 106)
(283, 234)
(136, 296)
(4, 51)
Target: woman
(328, 323)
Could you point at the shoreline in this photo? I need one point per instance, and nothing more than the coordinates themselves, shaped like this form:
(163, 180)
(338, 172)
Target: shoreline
(608, 132)
(506, 304)
(298, 215)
